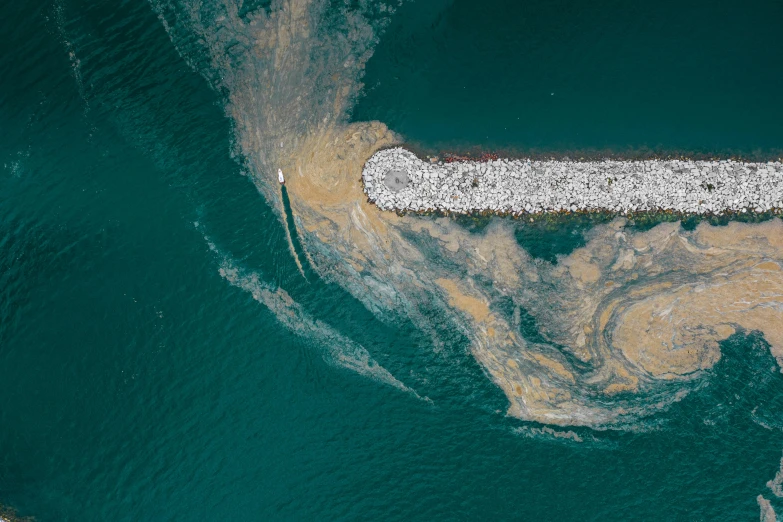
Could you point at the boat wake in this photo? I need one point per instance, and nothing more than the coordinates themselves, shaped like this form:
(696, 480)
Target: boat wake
(336, 349)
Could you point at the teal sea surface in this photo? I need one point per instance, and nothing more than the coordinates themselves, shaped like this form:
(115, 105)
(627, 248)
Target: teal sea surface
(559, 76)
(136, 383)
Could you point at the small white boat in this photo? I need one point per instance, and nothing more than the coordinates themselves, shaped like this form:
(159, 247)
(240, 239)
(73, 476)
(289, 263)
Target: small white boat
(280, 177)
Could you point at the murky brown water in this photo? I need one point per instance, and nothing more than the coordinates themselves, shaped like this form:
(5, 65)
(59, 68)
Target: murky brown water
(625, 318)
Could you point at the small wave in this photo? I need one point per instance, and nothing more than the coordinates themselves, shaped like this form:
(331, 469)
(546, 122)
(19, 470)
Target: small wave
(75, 62)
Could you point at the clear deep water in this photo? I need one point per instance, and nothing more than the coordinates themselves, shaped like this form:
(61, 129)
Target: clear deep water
(137, 384)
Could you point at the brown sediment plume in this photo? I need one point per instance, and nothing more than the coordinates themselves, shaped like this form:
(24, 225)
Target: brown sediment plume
(477, 308)
(639, 309)
(623, 320)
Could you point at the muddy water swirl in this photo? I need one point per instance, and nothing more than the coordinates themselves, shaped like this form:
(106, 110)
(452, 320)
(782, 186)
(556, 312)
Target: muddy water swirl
(627, 323)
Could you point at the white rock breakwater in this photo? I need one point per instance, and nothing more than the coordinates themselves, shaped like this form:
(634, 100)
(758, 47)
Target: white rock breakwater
(395, 179)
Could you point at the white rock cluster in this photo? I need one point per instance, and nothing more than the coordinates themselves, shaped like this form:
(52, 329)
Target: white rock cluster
(395, 179)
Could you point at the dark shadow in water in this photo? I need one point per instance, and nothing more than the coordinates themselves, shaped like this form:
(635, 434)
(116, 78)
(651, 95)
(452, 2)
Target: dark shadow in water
(249, 7)
(473, 223)
(645, 221)
(549, 236)
(543, 236)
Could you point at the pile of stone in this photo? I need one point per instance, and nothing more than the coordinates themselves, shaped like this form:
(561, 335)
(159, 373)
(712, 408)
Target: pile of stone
(395, 179)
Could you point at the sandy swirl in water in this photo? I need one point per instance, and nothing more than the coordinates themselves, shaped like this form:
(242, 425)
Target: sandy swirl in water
(624, 316)
(625, 321)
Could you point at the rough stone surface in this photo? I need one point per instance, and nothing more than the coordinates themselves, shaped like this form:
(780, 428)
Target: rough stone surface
(395, 179)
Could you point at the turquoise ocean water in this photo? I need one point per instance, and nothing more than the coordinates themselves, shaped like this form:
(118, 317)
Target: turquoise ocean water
(137, 384)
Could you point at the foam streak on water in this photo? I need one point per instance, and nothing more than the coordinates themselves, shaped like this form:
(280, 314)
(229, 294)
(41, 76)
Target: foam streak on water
(337, 349)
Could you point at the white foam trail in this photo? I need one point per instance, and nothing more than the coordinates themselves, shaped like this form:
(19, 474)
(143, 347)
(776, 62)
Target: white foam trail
(547, 432)
(338, 350)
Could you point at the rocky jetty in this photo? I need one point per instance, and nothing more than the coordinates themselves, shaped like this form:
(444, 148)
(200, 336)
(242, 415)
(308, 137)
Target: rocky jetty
(396, 179)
